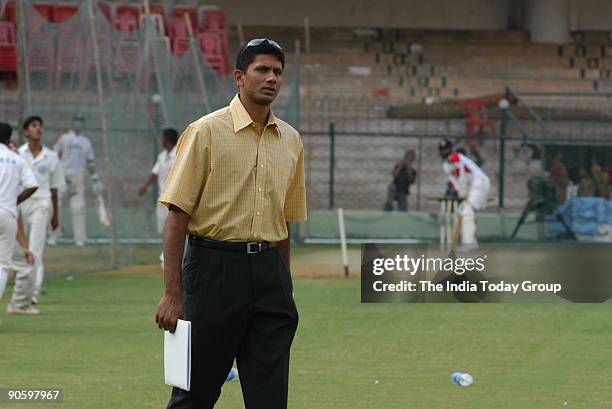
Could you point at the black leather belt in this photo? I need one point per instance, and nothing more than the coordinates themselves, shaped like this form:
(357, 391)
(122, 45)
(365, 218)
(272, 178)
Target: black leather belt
(238, 247)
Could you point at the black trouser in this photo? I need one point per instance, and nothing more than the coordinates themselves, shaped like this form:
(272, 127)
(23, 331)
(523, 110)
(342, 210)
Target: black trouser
(240, 306)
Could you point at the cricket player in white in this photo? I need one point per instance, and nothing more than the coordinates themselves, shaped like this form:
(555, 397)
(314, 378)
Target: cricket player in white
(43, 206)
(17, 183)
(160, 172)
(471, 184)
(77, 157)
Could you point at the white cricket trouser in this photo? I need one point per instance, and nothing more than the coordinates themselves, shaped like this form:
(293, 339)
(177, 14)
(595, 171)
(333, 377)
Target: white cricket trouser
(476, 199)
(75, 190)
(8, 232)
(479, 190)
(25, 277)
(36, 215)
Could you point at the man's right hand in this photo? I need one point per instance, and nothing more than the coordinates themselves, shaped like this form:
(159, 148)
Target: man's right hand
(29, 256)
(142, 190)
(170, 309)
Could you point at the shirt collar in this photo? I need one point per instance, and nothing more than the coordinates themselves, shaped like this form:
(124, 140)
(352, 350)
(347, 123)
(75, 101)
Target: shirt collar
(169, 153)
(242, 119)
(42, 154)
(3, 146)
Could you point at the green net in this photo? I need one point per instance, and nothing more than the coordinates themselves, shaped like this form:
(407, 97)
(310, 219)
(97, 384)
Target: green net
(128, 85)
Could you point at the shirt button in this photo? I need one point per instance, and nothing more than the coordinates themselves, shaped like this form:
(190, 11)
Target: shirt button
(261, 166)
(258, 213)
(260, 189)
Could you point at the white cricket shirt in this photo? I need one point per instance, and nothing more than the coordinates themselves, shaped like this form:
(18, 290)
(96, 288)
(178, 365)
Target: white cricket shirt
(47, 169)
(74, 152)
(15, 175)
(162, 166)
(461, 172)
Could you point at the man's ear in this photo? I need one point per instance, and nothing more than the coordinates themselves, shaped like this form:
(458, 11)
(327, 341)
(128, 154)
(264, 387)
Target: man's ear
(238, 77)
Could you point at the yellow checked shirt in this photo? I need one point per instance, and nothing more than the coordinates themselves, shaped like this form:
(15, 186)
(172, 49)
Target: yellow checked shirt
(235, 182)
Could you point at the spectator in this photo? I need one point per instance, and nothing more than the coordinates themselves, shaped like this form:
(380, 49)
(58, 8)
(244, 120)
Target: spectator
(586, 185)
(559, 174)
(602, 182)
(403, 176)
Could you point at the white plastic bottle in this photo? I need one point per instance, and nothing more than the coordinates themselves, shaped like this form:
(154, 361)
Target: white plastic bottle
(232, 375)
(462, 379)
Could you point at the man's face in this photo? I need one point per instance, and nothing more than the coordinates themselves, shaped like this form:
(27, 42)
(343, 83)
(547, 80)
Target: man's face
(262, 81)
(34, 131)
(165, 144)
(445, 152)
(77, 126)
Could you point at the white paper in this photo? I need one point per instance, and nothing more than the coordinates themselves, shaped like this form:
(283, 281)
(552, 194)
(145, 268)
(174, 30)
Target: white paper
(177, 356)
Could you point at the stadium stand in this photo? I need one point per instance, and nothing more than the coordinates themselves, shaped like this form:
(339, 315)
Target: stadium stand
(406, 87)
(8, 48)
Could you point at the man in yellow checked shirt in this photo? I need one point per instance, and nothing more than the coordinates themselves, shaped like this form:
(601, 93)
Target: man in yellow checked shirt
(237, 181)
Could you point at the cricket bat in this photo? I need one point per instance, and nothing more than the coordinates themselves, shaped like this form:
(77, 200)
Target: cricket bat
(101, 211)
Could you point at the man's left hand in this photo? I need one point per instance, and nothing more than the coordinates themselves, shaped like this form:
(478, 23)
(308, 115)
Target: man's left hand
(54, 221)
(29, 256)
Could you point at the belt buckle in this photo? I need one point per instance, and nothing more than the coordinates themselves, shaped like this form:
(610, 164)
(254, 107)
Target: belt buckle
(257, 250)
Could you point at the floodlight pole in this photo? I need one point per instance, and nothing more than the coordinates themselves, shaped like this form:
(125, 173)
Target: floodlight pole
(103, 123)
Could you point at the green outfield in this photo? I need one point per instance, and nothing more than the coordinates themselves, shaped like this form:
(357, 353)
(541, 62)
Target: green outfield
(97, 339)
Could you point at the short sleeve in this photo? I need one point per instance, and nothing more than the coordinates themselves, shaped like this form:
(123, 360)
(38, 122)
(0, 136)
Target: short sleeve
(27, 178)
(295, 199)
(189, 173)
(157, 166)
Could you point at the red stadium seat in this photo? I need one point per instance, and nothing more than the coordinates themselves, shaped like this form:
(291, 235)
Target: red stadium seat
(7, 33)
(126, 9)
(45, 10)
(179, 35)
(191, 13)
(177, 28)
(213, 19)
(8, 11)
(212, 46)
(126, 22)
(214, 39)
(63, 12)
(126, 18)
(180, 45)
(8, 47)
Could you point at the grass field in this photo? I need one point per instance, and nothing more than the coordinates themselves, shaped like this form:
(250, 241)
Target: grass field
(97, 339)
